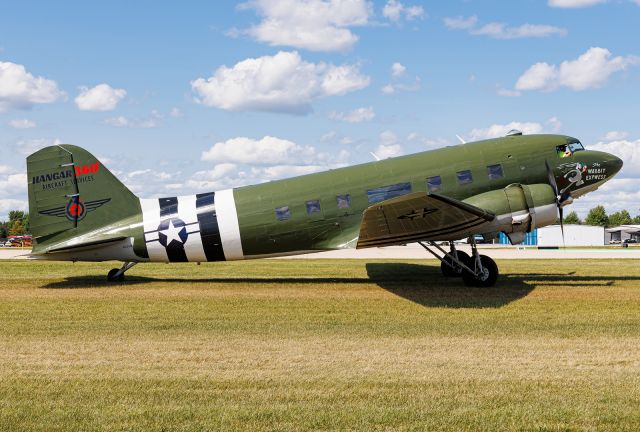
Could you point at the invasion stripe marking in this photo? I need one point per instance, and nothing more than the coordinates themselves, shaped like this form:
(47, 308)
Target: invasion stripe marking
(209, 229)
(151, 212)
(175, 250)
(229, 225)
(188, 212)
(168, 206)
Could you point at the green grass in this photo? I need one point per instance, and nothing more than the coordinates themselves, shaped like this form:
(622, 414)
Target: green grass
(319, 345)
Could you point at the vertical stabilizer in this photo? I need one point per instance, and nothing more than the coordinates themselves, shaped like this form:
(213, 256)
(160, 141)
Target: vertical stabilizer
(72, 194)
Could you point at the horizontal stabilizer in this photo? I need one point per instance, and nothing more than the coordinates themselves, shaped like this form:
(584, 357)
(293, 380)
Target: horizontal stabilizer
(86, 243)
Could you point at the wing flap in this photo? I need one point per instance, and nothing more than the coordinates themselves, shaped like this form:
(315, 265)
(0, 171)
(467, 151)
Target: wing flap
(420, 216)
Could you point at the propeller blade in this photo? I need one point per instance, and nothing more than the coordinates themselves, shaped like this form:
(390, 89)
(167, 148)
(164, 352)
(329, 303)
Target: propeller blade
(552, 178)
(559, 199)
(561, 211)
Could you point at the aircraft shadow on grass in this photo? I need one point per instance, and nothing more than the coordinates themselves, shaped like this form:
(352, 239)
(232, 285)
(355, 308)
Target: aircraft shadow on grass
(421, 284)
(426, 286)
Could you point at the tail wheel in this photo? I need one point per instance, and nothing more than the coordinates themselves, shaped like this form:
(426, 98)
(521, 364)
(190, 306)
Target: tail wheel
(113, 276)
(488, 276)
(450, 268)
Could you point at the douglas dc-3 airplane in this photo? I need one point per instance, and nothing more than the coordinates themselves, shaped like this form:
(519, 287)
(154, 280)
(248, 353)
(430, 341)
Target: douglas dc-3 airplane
(80, 211)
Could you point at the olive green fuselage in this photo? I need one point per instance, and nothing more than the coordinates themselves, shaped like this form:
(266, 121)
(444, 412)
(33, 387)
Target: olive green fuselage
(522, 160)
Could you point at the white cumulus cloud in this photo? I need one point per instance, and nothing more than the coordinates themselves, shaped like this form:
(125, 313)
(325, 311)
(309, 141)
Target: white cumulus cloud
(241, 161)
(22, 124)
(153, 121)
(616, 194)
(498, 30)
(13, 185)
(628, 151)
(176, 113)
(8, 204)
(316, 25)
(399, 82)
(395, 11)
(280, 83)
(390, 89)
(591, 70)
(507, 92)
(19, 89)
(574, 4)
(499, 130)
(388, 146)
(460, 22)
(398, 69)
(358, 115)
(102, 97)
(266, 151)
(615, 136)
(28, 146)
(552, 125)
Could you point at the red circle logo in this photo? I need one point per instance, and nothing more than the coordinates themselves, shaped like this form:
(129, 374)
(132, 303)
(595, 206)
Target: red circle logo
(75, 209)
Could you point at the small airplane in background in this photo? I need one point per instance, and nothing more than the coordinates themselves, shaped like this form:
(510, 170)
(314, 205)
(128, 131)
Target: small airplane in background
(81, 212)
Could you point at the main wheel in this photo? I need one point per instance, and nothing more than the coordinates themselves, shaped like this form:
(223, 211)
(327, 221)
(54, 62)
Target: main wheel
(450, 269)
(111, 276)
(487, 278)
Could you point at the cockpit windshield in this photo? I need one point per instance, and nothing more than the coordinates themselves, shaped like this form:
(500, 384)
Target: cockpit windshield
(566, 150)
(576, 146)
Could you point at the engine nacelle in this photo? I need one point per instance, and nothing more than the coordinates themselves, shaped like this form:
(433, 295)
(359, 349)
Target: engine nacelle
(519, 208)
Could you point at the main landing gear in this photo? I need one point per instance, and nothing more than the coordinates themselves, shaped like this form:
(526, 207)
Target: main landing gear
(476, 270)
(117, 275)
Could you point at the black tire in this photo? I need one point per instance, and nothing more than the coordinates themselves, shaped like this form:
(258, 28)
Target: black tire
(111, 276)
(488, 279)
(450, 269)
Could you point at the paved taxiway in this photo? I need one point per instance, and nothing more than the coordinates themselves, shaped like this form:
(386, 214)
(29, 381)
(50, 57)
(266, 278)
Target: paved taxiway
(415, 251)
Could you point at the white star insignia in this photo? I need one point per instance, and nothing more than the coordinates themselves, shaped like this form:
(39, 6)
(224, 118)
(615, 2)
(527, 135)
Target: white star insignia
(173, 233)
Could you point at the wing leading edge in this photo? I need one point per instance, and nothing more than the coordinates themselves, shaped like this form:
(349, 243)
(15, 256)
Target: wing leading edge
(420, 216)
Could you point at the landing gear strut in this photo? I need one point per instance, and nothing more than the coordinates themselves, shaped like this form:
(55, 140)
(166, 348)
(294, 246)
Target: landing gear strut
(477, 270)
(449, 263)
(117, 275)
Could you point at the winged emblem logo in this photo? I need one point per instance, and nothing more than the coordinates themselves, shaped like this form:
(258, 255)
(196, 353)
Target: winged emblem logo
(76, 209)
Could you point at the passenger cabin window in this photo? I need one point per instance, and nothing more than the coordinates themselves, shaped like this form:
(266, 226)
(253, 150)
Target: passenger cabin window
(434, 184)
(387, 192)
(566, 150)
(464, 177)
(283, 213)
(495, 172)
(313, 206)
(343, 201)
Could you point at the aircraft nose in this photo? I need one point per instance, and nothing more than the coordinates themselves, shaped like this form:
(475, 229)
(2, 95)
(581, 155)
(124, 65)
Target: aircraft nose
(613, 164)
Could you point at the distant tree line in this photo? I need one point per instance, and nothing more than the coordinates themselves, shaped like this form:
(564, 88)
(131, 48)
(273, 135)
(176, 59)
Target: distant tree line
(18, 224)
(598, 217)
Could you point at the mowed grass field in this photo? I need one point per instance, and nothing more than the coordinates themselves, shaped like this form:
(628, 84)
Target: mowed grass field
(295, 345)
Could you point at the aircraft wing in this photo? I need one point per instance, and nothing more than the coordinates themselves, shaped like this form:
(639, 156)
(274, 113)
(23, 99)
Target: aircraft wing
(420, 216)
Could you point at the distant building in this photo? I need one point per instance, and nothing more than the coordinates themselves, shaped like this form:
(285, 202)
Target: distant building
(623, 232)
(574, 235)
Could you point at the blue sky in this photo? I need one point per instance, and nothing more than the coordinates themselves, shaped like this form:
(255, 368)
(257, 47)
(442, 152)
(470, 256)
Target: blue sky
(178, 98)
